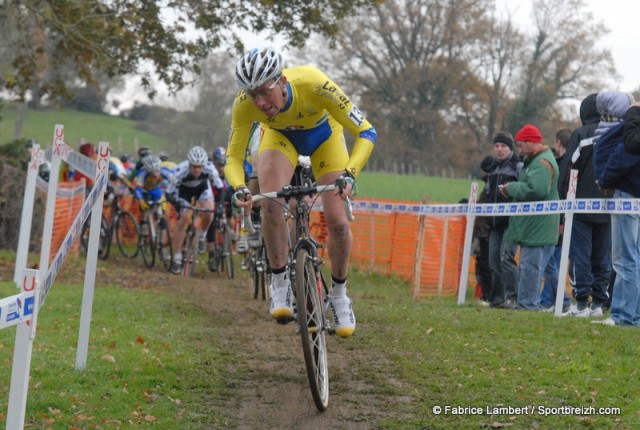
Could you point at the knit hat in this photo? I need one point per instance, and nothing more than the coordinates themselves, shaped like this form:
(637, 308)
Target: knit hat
(504, 137)
(529, 133)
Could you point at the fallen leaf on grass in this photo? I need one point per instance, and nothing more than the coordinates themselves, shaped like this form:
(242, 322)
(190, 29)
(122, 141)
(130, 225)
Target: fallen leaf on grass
(109, 357)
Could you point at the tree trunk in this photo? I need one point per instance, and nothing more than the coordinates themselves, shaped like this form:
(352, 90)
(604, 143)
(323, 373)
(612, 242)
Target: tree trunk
(20, 112)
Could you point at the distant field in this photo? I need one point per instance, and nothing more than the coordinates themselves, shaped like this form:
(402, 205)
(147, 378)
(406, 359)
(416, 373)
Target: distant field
(413, 188)
(78, 127)
(124, 138)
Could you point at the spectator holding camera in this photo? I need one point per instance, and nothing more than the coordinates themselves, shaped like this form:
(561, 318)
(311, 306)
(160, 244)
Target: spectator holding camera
(536, 235)
(501, 168)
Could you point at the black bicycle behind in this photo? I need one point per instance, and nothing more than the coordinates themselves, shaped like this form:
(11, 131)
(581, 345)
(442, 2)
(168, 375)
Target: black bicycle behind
(120, 225)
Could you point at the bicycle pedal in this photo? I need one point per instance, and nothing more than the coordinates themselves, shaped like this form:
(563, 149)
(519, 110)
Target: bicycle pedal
(284, 321)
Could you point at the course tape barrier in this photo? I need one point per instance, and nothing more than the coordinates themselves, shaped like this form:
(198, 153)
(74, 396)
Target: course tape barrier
(19, 307)
(72, 234)
(16, 309)
(387, 235)
(507, 209)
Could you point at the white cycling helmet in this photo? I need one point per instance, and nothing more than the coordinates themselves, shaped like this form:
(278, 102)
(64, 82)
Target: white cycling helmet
(197, 156)
(257, 67)
(152, 163)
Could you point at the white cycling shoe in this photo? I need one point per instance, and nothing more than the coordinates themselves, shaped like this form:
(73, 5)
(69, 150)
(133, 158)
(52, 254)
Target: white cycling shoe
(343, 317)
(281, 307)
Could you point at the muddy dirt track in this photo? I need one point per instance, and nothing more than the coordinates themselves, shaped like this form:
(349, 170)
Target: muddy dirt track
(267, 385)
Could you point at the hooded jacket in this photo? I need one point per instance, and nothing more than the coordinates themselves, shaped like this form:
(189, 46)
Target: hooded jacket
(587, 187)
(616, 168)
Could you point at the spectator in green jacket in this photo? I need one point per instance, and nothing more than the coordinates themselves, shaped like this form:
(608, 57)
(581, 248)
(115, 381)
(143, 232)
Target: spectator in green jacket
(536, 235)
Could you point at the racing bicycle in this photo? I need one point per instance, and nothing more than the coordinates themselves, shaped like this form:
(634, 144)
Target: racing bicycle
(223, 244)
(120, 224)
(155, 235)
(190, 250)
(310, 287)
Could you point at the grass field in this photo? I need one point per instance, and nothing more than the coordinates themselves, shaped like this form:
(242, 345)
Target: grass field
(151, 353)
(79, 126)
(412, 188)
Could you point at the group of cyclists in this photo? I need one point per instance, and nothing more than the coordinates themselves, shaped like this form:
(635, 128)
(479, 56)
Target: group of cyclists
(153, 178)
(278, 115)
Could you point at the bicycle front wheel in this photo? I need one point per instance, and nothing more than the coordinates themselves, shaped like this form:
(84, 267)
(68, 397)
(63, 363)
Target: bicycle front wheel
(147, 245)
(310, 308)
(190, 255)
(165, 249)
(127, 234)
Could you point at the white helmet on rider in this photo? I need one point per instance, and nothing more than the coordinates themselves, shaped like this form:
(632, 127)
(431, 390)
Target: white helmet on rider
(257, 67)
(152, 163)
(197, 156)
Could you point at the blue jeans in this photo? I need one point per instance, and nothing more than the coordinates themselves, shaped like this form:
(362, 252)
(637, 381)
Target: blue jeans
(625, 235)
(532, 264)
(590, 261)
(504, 270)
(550, 287)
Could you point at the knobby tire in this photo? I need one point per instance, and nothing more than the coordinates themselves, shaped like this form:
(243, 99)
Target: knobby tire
(310, 302)
(164, 246)
(127, 234)
(147, 244)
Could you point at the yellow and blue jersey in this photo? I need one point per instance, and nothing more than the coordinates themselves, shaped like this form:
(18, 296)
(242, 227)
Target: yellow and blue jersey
(316, 109)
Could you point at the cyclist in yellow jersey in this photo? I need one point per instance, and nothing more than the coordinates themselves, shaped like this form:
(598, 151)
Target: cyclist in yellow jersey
(302, 112)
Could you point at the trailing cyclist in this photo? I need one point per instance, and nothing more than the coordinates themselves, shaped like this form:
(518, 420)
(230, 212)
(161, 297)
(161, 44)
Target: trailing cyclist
(302, 112)
(222, 199)
(192, 180)
(151, 181)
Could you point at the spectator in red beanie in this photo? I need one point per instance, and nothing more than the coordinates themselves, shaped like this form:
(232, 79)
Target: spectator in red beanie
(537, 234)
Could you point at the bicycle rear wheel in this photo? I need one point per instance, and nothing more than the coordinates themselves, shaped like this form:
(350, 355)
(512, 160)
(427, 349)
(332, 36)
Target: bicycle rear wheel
(127, 234)
(310, 308)
(165, 249)
(147, 245)
(264, 275)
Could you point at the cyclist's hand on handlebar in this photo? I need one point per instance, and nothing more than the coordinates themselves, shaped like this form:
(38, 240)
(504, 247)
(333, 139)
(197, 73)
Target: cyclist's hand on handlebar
(144, 205)
(347, 186)
(241, 198)
(181, 204)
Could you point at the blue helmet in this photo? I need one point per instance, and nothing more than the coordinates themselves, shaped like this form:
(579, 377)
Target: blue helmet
(219, 156)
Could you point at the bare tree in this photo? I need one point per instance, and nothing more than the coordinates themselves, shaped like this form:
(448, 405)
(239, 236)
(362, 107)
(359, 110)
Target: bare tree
(407, 59)
(563, 60)
(487, 100)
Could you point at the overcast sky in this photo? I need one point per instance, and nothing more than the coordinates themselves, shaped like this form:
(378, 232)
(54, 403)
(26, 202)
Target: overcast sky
(621, 17)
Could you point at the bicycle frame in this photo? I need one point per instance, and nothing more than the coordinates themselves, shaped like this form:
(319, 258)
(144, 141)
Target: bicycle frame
(189, 251)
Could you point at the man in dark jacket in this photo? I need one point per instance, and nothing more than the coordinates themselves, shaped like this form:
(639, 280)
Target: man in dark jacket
(590, 249)
(632, 129)
(502, 263)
